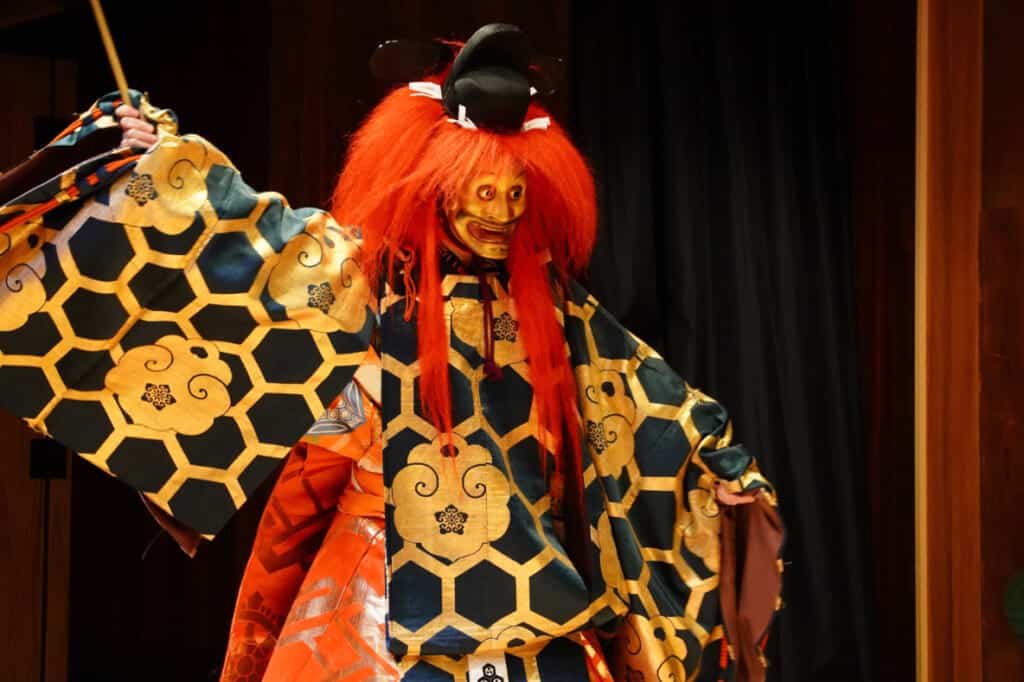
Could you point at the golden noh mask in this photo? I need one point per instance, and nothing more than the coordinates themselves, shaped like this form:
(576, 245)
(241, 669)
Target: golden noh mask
(484, 214)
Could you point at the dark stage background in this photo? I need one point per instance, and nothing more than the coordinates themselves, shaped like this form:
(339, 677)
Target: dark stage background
(747, 233)
(717, 133)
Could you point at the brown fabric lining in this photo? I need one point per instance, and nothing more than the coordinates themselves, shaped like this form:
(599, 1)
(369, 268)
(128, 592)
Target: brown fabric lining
(186, 538)
(751, 581)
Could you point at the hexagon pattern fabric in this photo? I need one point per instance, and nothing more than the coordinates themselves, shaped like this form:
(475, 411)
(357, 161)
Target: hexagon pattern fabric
(176, 328)
(476, 565)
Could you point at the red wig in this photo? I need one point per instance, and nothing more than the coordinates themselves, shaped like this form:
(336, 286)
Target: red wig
(405, 156)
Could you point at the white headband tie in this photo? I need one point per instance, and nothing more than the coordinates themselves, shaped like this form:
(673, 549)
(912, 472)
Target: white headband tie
(426, 89)
(433, 91)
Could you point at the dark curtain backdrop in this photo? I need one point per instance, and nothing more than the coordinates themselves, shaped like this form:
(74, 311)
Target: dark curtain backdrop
(715, 131)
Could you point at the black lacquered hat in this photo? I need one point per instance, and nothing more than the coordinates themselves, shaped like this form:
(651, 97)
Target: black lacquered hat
(491, 81)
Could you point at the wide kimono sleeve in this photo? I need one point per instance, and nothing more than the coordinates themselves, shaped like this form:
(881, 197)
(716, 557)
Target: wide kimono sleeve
(687, 587)
(171, 325)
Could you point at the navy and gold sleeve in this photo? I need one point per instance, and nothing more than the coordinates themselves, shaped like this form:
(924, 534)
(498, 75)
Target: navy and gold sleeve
(173, 326)
(663, 546)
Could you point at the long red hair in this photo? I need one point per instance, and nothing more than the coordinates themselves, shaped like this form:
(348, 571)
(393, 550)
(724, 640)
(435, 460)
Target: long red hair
(406, 155)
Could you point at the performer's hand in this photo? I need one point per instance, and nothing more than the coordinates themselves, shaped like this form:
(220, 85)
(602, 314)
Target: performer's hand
(731, 499)
(138, 132)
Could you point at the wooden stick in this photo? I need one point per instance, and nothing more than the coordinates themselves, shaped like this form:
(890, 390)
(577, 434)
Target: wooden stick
(108, 44)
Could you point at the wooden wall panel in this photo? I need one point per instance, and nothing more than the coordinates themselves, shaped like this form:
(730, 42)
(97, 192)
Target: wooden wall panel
(35, 521)
(1003, 131)
(21, 11)
(57, 632)
(21, 557)
(1002, 432)
(34, 514)
(1002, 332)
(949, 123)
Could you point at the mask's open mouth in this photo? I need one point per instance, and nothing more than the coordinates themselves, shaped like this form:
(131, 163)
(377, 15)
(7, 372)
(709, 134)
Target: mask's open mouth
(491, 233)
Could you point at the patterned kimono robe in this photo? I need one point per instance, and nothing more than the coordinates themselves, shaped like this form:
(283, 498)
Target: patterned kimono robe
(182, 332)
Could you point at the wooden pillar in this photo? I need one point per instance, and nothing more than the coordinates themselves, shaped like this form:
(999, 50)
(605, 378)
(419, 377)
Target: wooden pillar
(949, 108)
(970, 336)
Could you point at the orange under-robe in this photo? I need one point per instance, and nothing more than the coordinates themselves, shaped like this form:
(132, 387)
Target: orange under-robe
(312, 601)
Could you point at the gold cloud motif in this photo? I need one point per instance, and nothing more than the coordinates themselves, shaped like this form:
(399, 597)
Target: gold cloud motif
(166, 187)
(609, 414)
(642, 655)
(700, 526)
(672, 669)
(21, 287)
(450, 500)
(501, 641)
(316, 277)
(175, 384)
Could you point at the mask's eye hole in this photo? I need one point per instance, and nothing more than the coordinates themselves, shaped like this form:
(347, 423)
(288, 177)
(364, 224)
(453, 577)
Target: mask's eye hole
(516, 193)
(485, 192)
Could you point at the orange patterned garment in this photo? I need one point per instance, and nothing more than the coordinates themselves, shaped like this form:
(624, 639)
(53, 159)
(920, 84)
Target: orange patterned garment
(312, 605)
